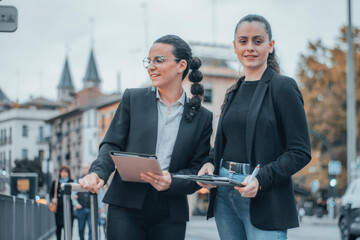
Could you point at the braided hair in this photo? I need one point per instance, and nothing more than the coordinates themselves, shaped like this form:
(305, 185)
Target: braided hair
(182, 51)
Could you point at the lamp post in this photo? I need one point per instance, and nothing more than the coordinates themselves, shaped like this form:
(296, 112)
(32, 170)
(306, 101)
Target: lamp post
(350, 99)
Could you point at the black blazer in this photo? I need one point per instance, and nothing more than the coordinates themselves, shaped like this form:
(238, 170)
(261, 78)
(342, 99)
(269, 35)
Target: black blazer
(277, 138)
(134, 129)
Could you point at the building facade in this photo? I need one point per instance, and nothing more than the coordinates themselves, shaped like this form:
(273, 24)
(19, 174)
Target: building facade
(219, 66)
(106, 113)
(23, 133)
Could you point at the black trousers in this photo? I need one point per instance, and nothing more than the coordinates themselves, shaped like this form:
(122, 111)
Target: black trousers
(152, 222)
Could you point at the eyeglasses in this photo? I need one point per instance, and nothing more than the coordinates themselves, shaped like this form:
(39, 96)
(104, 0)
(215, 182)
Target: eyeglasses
(157, 61)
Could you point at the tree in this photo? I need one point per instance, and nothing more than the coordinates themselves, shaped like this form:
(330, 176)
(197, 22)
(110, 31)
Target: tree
(322, 75)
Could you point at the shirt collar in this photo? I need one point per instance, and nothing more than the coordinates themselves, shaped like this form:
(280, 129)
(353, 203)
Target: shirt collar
(181, 100)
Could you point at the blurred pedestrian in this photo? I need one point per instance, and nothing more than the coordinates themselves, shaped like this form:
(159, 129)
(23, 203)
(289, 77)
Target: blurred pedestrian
(63, 177)
(262, 122)
(158, 120)
(82, 206)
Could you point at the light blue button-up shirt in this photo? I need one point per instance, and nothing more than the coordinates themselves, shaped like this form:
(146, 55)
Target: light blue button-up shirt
(168, 127)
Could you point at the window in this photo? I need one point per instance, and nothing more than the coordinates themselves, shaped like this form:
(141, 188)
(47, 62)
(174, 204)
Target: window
(95, 118)
(9, 157)
(24, 154)
(10, 134)
(208, 95)
(41, 133)
(41, 155)
(88, 119)
(103, 122)
(4, 160)
(25, 131)
(68, 127)
(90, 147)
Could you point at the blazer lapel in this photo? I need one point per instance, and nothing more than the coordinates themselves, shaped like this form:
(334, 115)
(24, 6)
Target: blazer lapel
(151, 123)
(254, 110)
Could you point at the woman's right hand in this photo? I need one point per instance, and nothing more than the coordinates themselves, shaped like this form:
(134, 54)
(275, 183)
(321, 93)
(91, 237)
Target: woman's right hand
(54, 200)
(91, 182)
(207, 168)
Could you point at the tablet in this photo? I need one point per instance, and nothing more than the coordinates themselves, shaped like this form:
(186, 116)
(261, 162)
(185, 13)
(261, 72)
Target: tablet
(130, 165)
(211, 179)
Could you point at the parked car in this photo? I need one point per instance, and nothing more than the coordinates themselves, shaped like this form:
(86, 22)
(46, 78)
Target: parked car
(349, 218)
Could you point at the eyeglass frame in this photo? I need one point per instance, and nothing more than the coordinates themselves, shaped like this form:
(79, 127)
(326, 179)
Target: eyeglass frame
(148, 61)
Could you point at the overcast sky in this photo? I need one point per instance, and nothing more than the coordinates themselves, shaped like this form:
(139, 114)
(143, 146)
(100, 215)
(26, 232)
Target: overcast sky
(32, 58)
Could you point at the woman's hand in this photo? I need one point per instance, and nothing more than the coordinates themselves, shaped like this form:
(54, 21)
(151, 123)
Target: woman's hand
(54, 200)
(251, 189)
(91, 182)
(160, 183)
(78, 206)
(207, 168)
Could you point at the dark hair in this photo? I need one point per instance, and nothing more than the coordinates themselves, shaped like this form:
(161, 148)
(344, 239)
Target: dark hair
(182, 51)
(65, 168)
(271, 60)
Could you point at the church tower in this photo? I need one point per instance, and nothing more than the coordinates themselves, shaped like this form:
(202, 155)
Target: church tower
(92, 79)
(65, 88)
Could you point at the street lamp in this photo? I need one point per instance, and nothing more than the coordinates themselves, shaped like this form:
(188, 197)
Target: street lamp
(350, 99)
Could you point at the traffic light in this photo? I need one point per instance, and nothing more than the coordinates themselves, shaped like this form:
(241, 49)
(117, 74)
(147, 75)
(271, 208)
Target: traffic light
(332, 182)
(3, 172)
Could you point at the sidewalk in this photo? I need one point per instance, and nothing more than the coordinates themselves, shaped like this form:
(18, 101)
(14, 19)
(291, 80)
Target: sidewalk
(75, 232)
(313, 220)
(197, 228)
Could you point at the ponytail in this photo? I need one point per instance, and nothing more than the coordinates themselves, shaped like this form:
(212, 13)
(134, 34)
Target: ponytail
(197, 89)
(272, 62)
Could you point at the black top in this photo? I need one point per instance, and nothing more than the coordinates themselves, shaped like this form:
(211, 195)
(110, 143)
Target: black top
(277, 138)
(234, 123)
(59, 215)
(84, 198)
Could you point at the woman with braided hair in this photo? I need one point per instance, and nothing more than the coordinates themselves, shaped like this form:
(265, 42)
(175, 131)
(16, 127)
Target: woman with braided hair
(159, 120)
(262, 123)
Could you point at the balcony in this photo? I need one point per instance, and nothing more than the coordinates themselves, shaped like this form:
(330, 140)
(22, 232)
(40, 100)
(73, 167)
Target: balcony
(41, 140)
(6, 140)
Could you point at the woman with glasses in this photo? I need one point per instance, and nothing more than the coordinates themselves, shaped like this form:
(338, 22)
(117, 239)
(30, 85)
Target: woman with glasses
(262, 123)
(159, 120)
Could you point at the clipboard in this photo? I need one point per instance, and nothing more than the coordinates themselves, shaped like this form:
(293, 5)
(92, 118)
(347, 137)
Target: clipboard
(211, 179)
(130, 165)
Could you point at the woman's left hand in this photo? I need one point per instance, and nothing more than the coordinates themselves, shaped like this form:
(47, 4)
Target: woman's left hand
(160, 183)
(251, 189)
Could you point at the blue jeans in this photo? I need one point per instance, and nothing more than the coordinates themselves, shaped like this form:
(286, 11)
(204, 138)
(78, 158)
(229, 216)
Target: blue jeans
(232, 214)
(83, 216)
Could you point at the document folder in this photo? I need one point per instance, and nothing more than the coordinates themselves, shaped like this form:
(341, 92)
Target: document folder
(130, 165)
(211, 179)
